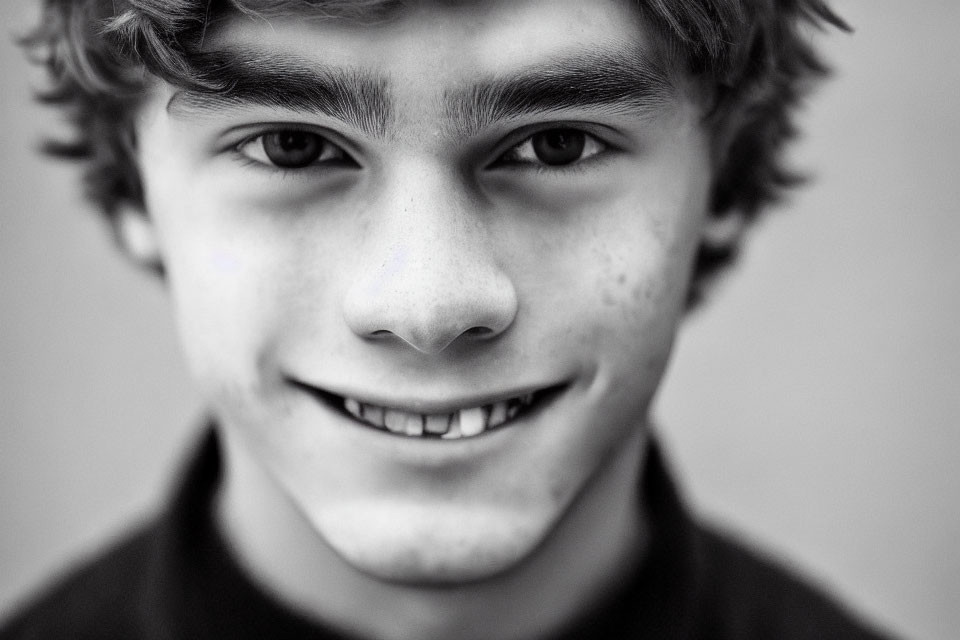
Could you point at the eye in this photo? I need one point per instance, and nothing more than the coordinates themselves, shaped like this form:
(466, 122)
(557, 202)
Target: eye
(554, 148)
(293, 149)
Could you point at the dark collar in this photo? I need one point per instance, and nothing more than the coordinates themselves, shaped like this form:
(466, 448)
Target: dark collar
(203, 594)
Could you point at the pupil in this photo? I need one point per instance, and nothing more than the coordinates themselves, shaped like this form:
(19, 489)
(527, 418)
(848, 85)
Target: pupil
(559, 146)
(292, 149)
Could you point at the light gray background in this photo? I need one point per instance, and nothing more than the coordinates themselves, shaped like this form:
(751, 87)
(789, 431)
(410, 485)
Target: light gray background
(811, 406)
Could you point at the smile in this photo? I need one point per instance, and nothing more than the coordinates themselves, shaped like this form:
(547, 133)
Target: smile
(464, 423)
(467, 422)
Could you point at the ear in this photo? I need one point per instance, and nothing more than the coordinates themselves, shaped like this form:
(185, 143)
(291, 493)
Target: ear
(138, 236)
(724, 230)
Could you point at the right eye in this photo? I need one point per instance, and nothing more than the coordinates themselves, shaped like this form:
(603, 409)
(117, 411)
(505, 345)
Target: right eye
(293, 149)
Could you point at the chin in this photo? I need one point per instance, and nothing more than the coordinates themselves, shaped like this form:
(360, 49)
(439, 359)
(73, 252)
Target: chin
(416, 545)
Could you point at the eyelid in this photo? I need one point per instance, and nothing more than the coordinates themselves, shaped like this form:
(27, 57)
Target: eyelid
(524, 135)
(589, 141)
(237, 137)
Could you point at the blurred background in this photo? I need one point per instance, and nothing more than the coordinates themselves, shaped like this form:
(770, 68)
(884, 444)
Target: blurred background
(812, 405)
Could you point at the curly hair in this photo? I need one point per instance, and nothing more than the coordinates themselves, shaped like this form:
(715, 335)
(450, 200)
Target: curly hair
(753, 55)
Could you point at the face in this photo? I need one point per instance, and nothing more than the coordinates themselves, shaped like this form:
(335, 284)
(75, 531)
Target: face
(428, 271)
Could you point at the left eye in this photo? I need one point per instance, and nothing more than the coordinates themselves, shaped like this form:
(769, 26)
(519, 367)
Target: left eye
(292, 149)
(555, 148)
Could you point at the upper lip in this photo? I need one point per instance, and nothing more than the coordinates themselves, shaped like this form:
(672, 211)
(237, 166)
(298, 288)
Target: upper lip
(429, 406)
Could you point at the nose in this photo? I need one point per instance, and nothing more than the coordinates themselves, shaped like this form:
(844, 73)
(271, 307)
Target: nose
(430, 275)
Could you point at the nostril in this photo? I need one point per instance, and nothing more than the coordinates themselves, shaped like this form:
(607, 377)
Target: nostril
(479, 332)
(429, 317)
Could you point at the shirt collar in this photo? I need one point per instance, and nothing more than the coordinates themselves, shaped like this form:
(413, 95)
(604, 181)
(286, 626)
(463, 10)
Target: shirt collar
(203, 592)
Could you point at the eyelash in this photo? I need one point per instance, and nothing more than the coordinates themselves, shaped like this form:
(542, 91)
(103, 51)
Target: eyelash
(259, 139)
(527, 138)
(602, 148)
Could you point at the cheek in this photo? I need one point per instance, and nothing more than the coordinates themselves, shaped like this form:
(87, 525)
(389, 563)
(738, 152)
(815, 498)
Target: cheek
(227, 283)
(639, 273)
(635, 285)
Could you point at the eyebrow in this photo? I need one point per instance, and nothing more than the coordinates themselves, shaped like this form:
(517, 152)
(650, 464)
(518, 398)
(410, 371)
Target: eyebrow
(620, 82)
(243, 78)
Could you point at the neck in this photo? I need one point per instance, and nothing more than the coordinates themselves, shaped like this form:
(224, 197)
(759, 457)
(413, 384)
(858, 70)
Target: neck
(592, 550)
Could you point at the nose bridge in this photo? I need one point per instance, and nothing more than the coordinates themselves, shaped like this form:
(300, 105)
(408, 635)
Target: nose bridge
(430, 275)
(430, 216)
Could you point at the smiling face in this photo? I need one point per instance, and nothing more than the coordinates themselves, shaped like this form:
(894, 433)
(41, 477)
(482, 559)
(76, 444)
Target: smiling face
(427, 272)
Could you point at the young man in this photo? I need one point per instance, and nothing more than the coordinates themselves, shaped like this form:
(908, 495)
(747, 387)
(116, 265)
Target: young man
(427, 260)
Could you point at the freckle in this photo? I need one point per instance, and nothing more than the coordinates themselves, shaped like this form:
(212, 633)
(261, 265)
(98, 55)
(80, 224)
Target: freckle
(364, 226)
(642, 291)
(621, 278)
(658, 230)
(608, 298)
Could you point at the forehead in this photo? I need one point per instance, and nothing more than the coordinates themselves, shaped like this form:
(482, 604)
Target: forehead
(466, 65)
(437, 38)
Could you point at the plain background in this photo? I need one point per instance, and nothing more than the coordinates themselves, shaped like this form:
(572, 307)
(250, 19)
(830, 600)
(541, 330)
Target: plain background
(811, 406)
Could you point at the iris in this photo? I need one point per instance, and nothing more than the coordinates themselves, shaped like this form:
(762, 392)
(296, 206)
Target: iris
(559, 146)
(292, 149)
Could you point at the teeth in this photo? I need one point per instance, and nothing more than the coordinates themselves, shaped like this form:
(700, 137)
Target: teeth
(454, 431)
(353, 407)
(373, 414)
(396, 421)
(465, 423)
(437, 424)
(414, 424)
(498, 415)
(471, 421)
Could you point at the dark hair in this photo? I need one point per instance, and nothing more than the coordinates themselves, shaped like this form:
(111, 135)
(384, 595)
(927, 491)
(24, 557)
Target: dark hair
(753, 54)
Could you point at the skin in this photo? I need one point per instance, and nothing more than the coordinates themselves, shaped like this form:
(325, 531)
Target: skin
(423, 274)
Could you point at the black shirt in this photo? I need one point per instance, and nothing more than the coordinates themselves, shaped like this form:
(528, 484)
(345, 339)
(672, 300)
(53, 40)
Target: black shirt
(175, 579)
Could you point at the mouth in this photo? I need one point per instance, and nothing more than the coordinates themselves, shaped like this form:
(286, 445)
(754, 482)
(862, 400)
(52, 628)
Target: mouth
(456, 424)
